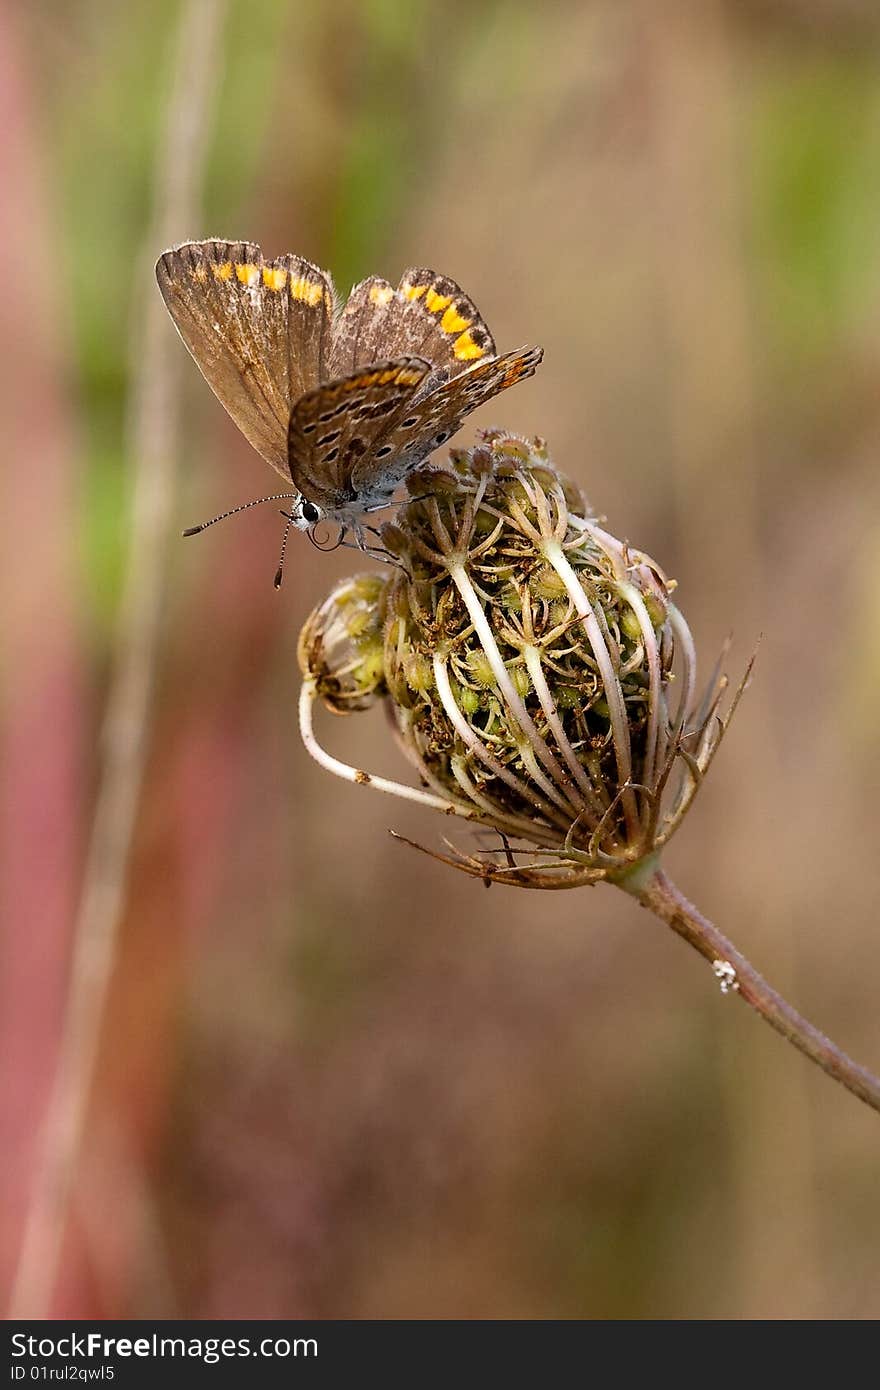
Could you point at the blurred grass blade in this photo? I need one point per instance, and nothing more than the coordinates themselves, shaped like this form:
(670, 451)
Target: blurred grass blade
(153, 436)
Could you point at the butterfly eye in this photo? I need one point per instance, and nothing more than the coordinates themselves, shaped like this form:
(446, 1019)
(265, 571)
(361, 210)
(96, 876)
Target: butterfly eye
(310, 513)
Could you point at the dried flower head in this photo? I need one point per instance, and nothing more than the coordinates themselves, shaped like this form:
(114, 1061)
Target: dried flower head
(341, 645)
(539, 677)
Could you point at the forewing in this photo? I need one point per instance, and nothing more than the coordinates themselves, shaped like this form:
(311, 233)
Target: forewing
(428, 316)
(334, 428)
(432, 420)
(259, 330)
(359, 334)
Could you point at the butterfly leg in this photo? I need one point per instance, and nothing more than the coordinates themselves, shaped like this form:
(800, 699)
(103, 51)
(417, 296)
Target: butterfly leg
(374, 551)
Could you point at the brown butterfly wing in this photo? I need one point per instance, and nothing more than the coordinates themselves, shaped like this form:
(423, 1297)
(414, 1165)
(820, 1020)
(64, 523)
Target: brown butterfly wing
(430, 421)
(360, 334)
(259, 331)
(342, 423)
(427, 316)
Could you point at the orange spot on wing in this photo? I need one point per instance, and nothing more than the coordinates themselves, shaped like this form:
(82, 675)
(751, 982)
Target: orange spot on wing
(200, 273)
(274, 278)
(466, 350)
(513, 373)
(308, 291)
(380, 294)
(222, 271)
(247, 273)
(414, 291)
(434, 302)
(452, 321)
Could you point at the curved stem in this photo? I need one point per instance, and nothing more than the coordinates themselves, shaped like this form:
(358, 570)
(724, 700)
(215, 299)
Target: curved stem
(367, 779)
(662, 897)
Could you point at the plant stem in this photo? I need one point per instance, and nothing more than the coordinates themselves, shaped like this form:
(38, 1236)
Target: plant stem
(660, 895)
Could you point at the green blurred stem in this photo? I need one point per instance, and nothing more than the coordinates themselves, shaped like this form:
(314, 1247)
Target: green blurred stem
(659, 894)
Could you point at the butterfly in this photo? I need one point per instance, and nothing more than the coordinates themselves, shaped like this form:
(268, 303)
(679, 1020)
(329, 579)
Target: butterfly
(343, 401)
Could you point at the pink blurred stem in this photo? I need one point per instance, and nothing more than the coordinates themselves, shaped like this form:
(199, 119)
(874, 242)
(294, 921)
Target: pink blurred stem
(42, 701)
(660, 895)
(125, 735)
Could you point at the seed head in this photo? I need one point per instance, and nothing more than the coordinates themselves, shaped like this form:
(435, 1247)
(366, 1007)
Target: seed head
(540, 678)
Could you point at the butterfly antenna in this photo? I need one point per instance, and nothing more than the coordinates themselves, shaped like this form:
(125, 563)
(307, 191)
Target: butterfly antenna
(257, 502)
(280, 569)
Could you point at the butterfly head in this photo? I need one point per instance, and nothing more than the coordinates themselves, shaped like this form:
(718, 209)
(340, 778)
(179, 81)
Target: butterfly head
(306, 514)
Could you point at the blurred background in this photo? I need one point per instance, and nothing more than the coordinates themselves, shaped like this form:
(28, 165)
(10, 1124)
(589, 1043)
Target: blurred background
(334, 1078)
